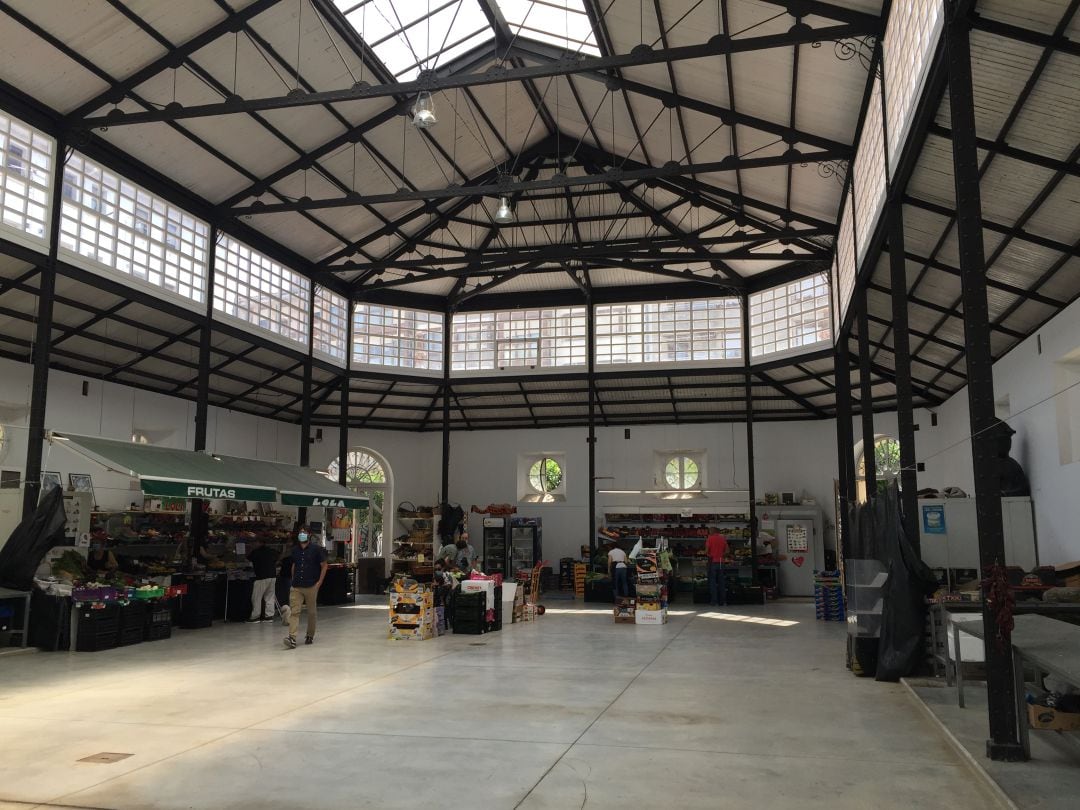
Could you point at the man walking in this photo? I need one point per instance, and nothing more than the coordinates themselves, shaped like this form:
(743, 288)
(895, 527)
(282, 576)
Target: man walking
(716, 546)
(264, 560)
(309, 570)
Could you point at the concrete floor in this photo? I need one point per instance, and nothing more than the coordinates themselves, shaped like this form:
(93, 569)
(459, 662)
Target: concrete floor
(751, 707)
(1049, 781)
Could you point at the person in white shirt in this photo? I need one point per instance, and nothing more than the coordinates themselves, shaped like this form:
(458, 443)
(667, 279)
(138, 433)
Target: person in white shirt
(620, 574)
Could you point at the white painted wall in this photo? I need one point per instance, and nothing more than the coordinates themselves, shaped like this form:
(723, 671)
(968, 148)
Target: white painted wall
(797, 456)
(1040, 411)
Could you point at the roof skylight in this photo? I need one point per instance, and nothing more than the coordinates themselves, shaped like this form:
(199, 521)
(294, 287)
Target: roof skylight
(557, 22)
(419, 34)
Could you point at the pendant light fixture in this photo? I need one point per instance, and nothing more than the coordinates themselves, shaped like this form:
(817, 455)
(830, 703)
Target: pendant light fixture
(504, 214)
(424, 111)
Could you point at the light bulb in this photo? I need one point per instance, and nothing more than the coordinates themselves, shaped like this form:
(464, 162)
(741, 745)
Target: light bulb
(424, 112)
(504, 214)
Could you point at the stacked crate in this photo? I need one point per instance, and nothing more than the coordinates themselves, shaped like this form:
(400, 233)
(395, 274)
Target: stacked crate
(828, 596)
(579, 580)
(197, 607)
(651, 607)
(470, 613)
(412, 614)
(131, 623)
(158, 620)
(97, 626)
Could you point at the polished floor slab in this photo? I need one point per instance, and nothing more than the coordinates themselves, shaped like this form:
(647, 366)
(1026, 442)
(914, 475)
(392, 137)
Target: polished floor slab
(735, 708)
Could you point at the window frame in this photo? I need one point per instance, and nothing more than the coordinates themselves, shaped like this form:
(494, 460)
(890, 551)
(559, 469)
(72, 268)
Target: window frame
(650, 329)
(484, 338)
(792, 298)
(363, 336)
(529, 494)
(20, 234)
(325, 337)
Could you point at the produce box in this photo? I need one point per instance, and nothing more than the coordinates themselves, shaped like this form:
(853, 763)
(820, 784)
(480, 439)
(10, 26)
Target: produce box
(1046, 718)
(100, 594)
(624, 610)
(421, 632)
(148, 593)
(650, 616)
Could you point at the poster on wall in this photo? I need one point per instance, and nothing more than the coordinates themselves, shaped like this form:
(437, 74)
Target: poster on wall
(797, 539)
(933, 518)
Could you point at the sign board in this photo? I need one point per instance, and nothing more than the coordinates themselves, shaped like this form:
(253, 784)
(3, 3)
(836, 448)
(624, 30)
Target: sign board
(207, 490)
(331, 501)
(933, 519)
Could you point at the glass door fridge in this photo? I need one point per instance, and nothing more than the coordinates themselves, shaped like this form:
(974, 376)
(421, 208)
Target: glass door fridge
(524, 551)
(494, 550)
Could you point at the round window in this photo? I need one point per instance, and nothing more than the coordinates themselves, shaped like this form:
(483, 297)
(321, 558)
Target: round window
(545, 475)
(681, 472)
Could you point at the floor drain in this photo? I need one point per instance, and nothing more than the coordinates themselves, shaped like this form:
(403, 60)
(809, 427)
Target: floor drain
(477, 643)
(105, 757)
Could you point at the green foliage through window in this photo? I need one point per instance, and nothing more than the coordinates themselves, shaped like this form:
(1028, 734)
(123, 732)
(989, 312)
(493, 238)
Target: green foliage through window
(545, 475)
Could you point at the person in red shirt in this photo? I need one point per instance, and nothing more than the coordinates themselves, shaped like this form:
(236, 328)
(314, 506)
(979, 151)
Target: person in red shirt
(716, 548)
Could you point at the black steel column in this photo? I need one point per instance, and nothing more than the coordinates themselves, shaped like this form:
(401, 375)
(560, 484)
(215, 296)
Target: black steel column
(845, 444)
(343, 417)
(448, 321)
(200, 523)
(905, 416)
(590, 347)
(866, 396)
(1003, 743)
(305, 402)
(39, 392)
(749, 407)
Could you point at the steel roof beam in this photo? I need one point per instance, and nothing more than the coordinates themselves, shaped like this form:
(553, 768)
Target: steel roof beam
(1005, 150)
(716, 46)
(500, 189)
(1057, 43)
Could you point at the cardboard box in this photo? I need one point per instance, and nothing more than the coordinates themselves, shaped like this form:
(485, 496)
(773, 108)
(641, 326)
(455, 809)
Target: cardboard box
(624, 610)
(485, 586)
(1047, 718)
(425, 599)
(650, 616)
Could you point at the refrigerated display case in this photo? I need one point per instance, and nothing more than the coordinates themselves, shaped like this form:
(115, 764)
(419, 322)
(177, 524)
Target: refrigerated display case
(524, 549)
(494, 544)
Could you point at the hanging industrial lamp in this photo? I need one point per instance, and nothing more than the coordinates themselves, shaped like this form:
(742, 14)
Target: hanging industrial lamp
(504, 214)
(424, 111)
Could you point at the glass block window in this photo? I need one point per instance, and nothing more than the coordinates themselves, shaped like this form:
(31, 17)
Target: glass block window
(791, 316)
(331, 329)
(520, 338)
(116, 224)
(669, 331)
(26, 162)
(259, 291)
(835, 284)
(910, 39)
(396, 337)
(869, 174)
(845, 259)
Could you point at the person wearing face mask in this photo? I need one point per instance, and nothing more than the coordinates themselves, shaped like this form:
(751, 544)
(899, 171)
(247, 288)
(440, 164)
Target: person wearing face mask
(309, 570)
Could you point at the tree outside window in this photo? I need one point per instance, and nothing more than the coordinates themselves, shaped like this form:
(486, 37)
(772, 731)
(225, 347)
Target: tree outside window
(681, 472)
(545, 475)
(886, 465)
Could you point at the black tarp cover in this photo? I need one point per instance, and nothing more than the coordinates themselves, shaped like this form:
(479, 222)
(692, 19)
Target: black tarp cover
(31, 541)
(903, 619)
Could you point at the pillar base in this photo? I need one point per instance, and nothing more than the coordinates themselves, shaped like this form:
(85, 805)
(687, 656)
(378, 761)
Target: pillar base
(1005, 752)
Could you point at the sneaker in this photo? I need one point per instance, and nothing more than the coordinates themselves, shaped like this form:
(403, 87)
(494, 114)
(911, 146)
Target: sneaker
(290, 643)
(307, 640)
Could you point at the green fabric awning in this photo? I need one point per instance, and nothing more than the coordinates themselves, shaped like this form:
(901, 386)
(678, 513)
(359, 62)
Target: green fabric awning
(170, 473)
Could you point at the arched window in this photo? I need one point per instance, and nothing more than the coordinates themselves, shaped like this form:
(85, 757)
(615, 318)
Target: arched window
(360, 468)
(886, 465)
(369, 477)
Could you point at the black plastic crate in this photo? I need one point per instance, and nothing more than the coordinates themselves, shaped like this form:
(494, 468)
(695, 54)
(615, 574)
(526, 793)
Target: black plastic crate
(470, 629)
(159, 613)
(130, 635)
(132, 615)
(95, 642)
(156, 632)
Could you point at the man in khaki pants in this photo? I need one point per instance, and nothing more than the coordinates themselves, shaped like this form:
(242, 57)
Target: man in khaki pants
(309, 570)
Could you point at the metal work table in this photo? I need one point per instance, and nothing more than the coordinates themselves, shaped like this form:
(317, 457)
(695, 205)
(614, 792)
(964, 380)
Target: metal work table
(940, 626)
(1050, 645)
(24, 632)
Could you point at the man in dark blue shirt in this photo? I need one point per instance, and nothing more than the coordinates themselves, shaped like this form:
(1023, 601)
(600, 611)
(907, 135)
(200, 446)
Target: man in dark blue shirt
(309, 570)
